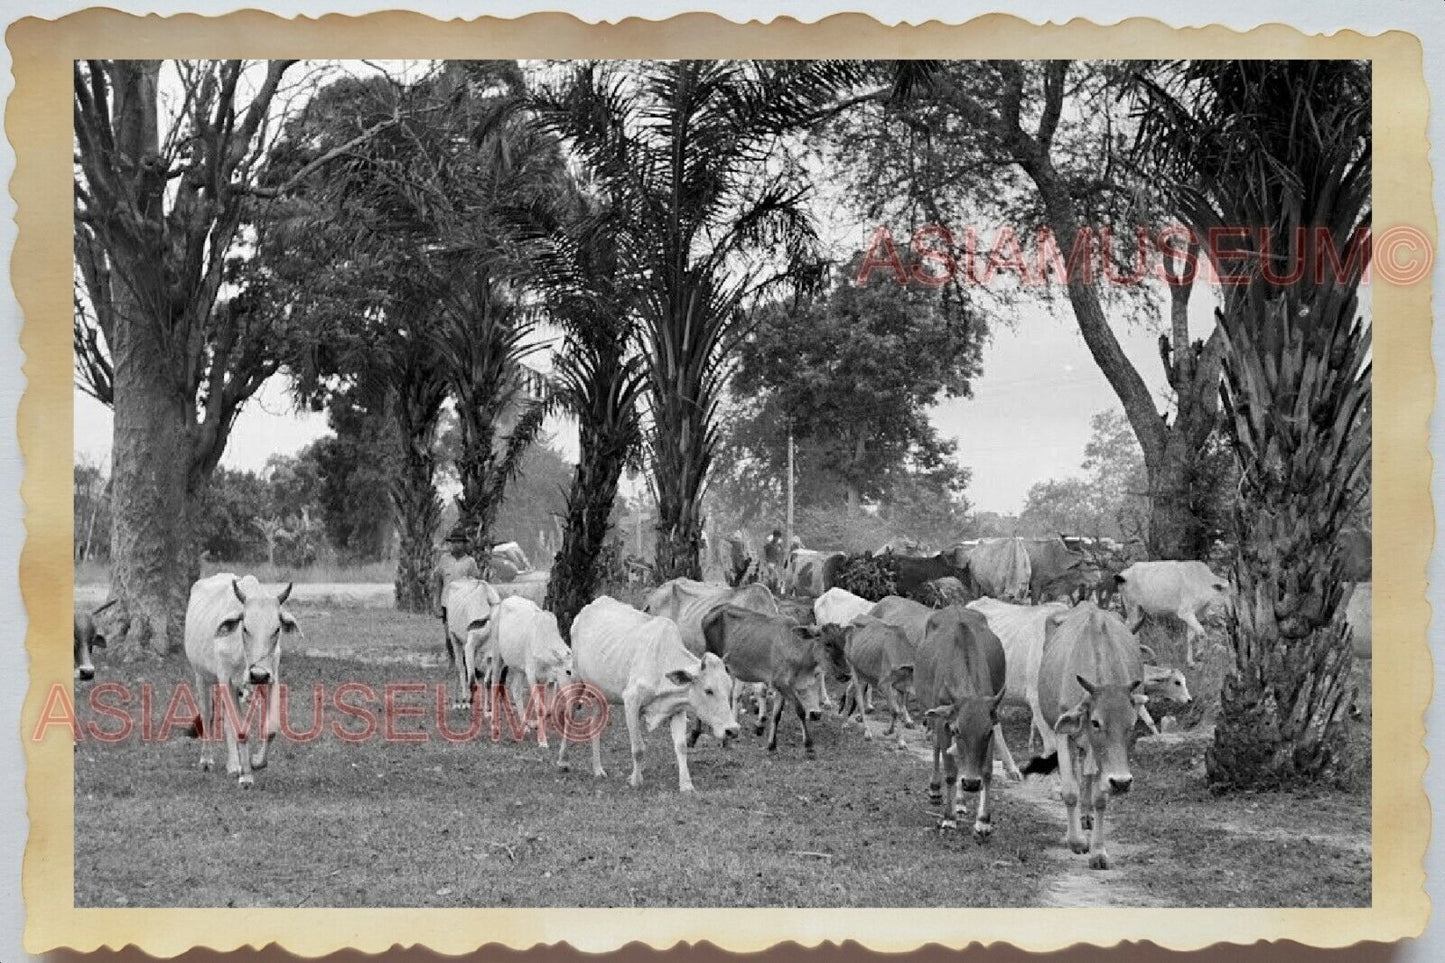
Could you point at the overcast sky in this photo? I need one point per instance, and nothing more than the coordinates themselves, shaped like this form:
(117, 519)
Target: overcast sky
(1028, 419)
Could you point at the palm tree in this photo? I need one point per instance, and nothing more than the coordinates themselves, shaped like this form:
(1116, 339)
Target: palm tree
(1283, 146)
(599, 383)
(691, 153)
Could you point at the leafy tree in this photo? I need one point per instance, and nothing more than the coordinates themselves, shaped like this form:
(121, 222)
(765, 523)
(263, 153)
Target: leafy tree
(1284, 147)
(1040, 145)
(161, 194)
(356, 466)
(690, 153)
(855, 374)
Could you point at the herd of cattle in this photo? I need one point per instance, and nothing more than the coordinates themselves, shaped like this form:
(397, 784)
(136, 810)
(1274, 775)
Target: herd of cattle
(696, 654)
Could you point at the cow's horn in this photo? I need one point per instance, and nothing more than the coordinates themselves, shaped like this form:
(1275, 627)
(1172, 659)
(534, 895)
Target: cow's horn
(236, 587)
(285, 593)
(1148, 653)
(104, 605)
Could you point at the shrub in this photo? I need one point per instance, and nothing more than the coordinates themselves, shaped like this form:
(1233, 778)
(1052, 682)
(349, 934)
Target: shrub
(869, 576)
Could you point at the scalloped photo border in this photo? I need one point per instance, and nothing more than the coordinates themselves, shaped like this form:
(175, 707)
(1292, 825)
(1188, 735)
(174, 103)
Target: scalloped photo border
(38, 125)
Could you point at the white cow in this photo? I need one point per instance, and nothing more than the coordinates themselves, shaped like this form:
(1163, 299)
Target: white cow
(1162, 682)
(639, 660)
(530, 647)
(1184, 590)
(1020, 629)
(686, 602)
(234, 629)
(469, 603)
(839, 607)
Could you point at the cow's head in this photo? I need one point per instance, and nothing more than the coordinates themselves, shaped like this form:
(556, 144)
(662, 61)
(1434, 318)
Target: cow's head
(970, 723)
(92, 630)
(803, 670)
(557, 667)
(1166, 684)
(1103, 720)
(833, 639)
(256, 629)
(710, 693)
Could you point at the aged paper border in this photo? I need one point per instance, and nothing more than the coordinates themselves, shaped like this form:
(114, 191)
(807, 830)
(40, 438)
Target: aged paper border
(38, 125)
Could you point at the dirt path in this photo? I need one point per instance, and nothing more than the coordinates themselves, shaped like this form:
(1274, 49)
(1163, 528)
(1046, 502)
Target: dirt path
(1071, 882)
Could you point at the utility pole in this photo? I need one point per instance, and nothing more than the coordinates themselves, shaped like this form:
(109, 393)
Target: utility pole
(788, 546)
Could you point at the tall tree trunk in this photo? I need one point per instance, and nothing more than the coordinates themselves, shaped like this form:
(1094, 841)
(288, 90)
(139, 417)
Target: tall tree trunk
(679, 541)
(574, 577)
(860, 448)
(477, 468)
(416, 406)
(150, 462)
(1297, 388)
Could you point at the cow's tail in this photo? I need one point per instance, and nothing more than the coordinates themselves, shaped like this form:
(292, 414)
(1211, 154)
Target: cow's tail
(1041, 765)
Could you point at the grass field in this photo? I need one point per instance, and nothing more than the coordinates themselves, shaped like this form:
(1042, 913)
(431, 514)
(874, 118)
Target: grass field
(377, 823)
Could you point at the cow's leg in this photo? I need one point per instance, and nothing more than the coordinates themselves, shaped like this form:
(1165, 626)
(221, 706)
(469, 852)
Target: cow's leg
(935, 787)
(204, 723)
(845, 703)
(1100, 801)
(463, 666)
(950, 792)
(238, 763)
(1086, 801)
(679, 750)
(775, 715)
(983, 818)
(858, 688)
(824, 699)
(532, 686)
(1069, 789)
(1010, 768)
(1192, 630)
(803, 721)
(1147, 719)
(633, 711)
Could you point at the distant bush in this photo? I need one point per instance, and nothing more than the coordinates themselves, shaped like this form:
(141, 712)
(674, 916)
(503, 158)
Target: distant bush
(869, 576)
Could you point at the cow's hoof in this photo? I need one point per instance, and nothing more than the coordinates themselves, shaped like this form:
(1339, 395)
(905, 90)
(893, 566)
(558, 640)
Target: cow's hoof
(809, 752)
(1079, 846)
(935, 794)
(635, 781)
(867, 735)
(599, 774)
(687, 788)
(207, 765)
(982, 830)
(757, 730)
(1099, 860)
(1086, 822)
(944, 825)
(246, 780)
(909, 724)
(257, 763)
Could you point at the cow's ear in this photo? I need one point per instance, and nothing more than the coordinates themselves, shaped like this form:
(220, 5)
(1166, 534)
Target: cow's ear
(229, 626)
(680, 677)
(940, 712)
(288, 624)
(1139, 698)
(1071, 723)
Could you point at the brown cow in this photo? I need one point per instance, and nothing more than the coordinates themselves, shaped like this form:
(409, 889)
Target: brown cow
(1089, 691)
(769, 649)
(880, 656)
(959, 676)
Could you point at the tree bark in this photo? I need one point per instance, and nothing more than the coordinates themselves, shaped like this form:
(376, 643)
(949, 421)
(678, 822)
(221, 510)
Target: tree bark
(574, 577)
(416, 407)
(150, 461)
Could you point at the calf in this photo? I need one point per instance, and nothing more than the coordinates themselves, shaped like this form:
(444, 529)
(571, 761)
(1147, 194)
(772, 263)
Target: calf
(960, 676)
(878, 655)
(1184, 590)
(234, 629)
(1089, 689)
(768, 649)
(530, 646)
(639, 660)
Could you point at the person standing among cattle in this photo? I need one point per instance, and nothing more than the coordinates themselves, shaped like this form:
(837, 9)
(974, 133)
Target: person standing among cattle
(456, 562)
(774, 556)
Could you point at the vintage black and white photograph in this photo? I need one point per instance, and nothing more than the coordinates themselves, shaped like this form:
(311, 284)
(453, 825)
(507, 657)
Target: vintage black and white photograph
(722, 483)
